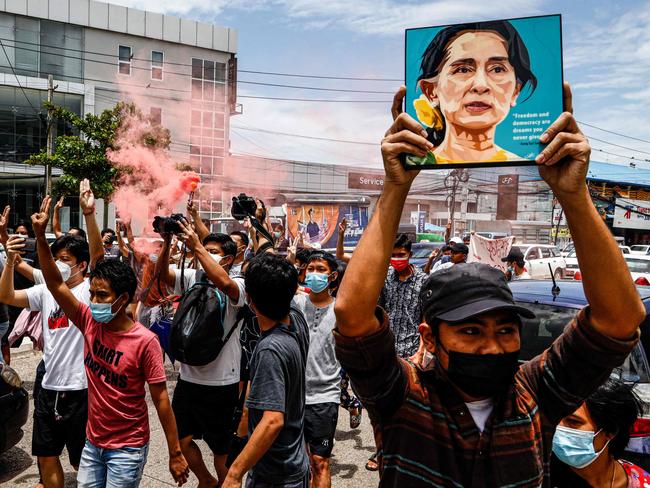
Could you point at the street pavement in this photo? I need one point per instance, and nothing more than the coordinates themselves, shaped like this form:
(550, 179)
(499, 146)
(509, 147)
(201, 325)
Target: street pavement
(18, 468)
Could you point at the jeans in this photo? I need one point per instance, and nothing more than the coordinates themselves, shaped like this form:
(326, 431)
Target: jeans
(111, 468)
(4, 327)
(252, 483)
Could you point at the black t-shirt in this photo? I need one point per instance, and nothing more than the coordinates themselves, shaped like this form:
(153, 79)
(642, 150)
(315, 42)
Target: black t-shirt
(278, 384)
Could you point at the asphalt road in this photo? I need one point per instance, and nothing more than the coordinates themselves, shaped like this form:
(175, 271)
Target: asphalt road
(18, 468)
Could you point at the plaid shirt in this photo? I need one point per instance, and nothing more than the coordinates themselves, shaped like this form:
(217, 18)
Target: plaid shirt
(425, 433)
(401, 300)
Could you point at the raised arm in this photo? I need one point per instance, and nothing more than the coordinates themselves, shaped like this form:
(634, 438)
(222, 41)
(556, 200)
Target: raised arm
(214, 271)
(60, 291)
(56, 218)
(8, 294)
(162, 269)
(340, 249)
(364, 278)
(124, 249)
(199, 226)
(616, 309)
(87, 204)
(18, 264)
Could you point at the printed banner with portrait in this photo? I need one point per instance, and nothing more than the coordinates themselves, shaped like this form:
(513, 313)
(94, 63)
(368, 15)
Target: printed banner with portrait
(484, 91)
(319, 223)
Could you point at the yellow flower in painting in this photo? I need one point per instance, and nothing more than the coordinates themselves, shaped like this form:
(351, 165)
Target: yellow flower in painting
(426, 114)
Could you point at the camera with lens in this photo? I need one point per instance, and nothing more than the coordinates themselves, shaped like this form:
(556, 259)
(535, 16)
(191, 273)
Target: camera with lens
(243, 206)
(168, 225)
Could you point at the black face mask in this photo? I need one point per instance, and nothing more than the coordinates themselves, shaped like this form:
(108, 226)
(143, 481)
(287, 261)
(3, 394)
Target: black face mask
(482, 375)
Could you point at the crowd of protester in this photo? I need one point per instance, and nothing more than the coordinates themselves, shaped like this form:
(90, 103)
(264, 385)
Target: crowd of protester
(431, 355)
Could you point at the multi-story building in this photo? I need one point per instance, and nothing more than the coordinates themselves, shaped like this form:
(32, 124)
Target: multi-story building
(179, 71)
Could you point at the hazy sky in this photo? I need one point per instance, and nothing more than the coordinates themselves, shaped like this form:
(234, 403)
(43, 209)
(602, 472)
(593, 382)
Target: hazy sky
(606, 59)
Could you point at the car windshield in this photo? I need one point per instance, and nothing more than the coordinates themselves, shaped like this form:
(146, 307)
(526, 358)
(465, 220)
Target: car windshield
(639, 248)
(422, 252)
(572, 254)
(638, 265)
(539, 333)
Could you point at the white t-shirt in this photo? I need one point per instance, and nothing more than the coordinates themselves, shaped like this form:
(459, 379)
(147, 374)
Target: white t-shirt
(480, 411)
(440, 266)
(523, 276)
(63, 343)
(225, 369)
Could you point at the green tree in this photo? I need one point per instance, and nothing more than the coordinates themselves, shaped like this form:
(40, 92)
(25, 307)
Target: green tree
(85, 155)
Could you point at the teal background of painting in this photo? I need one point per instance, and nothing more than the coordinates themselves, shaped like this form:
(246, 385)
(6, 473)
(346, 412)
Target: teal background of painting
(542, 36)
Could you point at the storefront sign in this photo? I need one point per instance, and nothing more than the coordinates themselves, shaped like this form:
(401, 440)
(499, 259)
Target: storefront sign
(365, 181)
(632, 214)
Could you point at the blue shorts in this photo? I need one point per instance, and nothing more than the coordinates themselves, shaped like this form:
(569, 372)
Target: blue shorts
(111, 468)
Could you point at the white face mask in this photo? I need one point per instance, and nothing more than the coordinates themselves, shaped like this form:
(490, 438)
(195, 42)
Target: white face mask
(217, 257)
(65, 269)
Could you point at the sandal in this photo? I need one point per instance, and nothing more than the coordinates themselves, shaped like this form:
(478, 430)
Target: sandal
(355, 419)
(372, 464)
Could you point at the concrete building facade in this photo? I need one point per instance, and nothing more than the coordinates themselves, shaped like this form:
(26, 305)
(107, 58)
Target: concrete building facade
(176, 70)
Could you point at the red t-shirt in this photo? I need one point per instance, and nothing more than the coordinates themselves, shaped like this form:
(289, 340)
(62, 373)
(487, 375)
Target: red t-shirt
(117, 366)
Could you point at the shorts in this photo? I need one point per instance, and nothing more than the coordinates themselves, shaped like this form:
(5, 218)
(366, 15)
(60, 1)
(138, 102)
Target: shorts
(320, 427)
(111, 468)
(253, 483)
(206, 412)
(52, 432)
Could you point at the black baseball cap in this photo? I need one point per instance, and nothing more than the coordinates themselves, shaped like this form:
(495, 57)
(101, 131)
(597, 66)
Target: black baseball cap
(514, 256)
(466, 290)
(459, 247)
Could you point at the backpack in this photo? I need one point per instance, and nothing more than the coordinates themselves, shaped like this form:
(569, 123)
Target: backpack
(197, 333)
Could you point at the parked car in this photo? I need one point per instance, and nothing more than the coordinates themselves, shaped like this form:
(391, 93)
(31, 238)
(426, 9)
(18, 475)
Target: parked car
(539, 256)
(572, 269)
(422, 251)
(554, 313)
(567, 249)
(625, 249)
(640, 249)
(639, 266)
(14, 408)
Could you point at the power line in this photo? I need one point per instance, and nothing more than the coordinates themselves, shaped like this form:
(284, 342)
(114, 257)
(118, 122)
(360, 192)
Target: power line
(313, 99)
(345, 141)
(612, 132)
(618, 145)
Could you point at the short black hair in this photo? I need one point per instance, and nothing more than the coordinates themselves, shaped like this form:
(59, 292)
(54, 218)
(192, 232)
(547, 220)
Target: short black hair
(75, 245)
(403, 240)
(27, 225)
(242, 235)
(436, 53)
(303, 254)
(614, 407)
(79, 230)
(325, 256)
(340, 272)
(107, 231)
(271, 282)
(119, 275)
(228, 246)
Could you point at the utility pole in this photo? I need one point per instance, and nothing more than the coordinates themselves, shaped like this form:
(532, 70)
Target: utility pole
(50, 134)
(452, 180)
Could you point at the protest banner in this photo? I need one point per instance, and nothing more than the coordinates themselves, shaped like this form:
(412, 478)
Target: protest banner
(484, 91)
(489, 251)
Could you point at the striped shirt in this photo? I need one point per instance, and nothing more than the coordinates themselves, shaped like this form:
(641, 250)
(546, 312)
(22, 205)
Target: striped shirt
(426, 435)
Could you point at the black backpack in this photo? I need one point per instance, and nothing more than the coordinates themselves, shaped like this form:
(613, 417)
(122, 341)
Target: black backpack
(197, 333)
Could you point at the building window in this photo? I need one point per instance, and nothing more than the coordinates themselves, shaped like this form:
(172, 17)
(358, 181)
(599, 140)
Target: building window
(207, 135)
(124, 67)
(155, 114)
(157, 60)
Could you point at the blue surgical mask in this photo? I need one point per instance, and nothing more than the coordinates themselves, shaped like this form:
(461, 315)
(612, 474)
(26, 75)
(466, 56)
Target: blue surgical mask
(575, 447)
(316, 282)
(103, 312)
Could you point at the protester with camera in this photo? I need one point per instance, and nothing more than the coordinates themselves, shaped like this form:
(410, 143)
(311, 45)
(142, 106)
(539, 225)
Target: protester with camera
(275, 454)
(206, 396)
(61, 408)
(108, 239)
(476, 418)
(323, 390)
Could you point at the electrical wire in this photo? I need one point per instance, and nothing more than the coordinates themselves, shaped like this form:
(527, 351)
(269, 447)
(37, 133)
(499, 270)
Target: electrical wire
(37, 112)
(612, 132)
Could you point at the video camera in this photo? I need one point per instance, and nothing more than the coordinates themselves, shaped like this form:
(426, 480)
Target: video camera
(244, 206)
(168, 225)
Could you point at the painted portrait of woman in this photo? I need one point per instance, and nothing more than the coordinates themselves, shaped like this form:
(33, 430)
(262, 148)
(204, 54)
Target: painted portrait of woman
(471, 75)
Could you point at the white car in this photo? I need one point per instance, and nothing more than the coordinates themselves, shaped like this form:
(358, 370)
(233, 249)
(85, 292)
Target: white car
(572, 267)
(640, 249)
(639, 267)
(539, 256)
